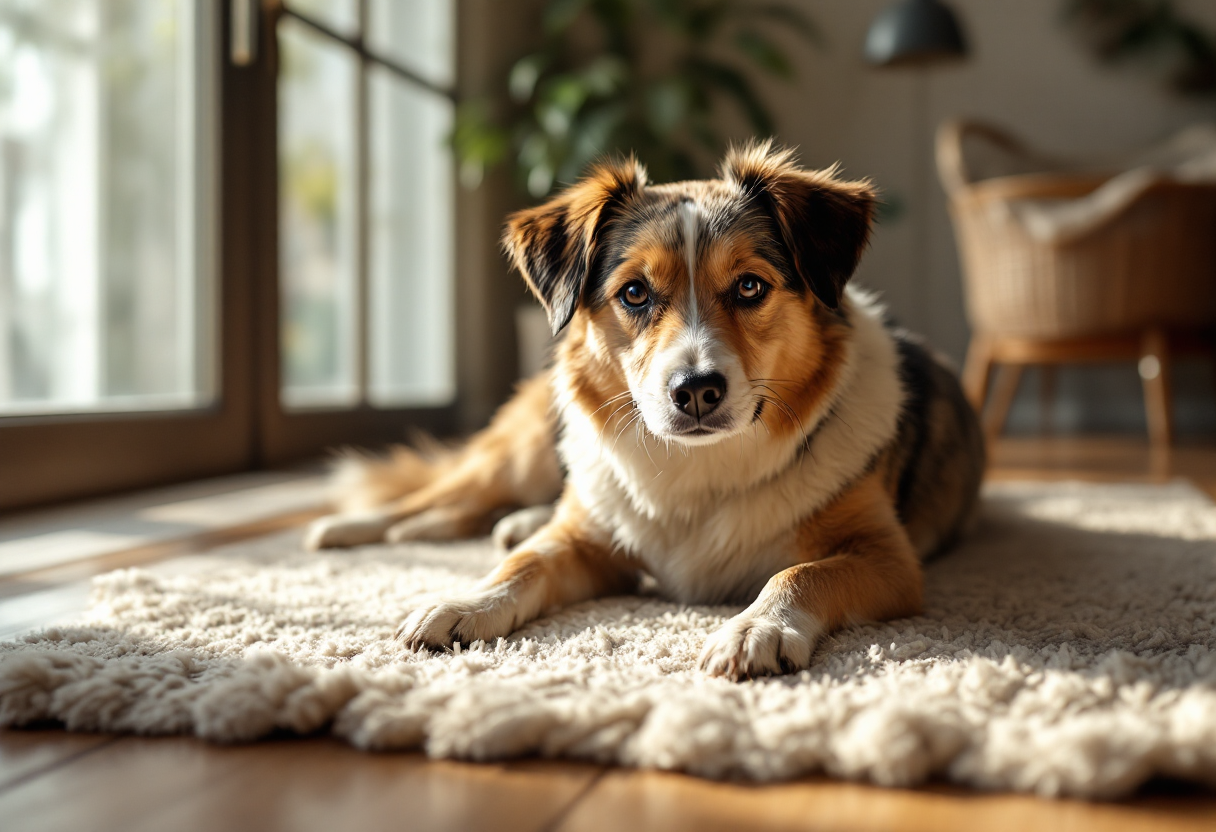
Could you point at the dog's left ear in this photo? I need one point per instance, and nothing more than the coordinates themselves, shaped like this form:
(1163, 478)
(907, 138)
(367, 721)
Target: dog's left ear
(824, 222)
(553, 245)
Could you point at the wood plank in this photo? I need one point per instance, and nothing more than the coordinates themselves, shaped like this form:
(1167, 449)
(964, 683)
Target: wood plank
(150, 553)
(640, 801)
(327, 785)
(106, 534)
(311, 784)
(24, 613)
(27, 753)
(1102, 459)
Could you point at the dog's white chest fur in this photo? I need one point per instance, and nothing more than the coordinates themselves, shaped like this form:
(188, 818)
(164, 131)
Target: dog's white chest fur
(701, 543)
(713, 523)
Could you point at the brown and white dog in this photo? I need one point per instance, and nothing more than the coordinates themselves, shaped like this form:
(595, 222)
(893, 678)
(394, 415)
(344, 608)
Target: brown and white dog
(731, 420)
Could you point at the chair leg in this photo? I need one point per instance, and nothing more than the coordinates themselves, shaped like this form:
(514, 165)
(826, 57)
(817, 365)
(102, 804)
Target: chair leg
(1047, 397)
(1155, 373)
(1002, 399)
(977, 372)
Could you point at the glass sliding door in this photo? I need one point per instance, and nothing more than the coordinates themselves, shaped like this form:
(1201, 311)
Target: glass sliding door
(108, 119)
(226, 236)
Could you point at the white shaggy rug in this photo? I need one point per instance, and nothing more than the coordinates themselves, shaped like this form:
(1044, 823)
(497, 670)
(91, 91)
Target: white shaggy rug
(1066, 648)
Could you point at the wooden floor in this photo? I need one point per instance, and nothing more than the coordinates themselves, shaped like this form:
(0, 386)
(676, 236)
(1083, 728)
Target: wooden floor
(50, 780)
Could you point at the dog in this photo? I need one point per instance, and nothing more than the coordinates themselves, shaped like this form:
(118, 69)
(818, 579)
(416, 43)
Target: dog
(725, 418)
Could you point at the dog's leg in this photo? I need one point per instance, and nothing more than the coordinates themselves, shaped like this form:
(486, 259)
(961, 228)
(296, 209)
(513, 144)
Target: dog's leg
(512, 463)
(860, 566)
(518, 526)
(563, 563)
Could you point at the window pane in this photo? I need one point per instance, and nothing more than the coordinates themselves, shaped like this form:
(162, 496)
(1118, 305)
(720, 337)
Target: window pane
(419, 34)
(317, 218)
(106, 200)
(340, 15)
(411, 246)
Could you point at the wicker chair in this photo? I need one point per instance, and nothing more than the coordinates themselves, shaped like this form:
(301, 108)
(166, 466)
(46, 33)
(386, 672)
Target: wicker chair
(1136, 283)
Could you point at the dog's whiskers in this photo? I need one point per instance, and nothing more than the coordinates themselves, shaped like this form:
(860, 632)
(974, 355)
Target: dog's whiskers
(615, 398)
(615, 411)
(780, 408)
(780, 382)
(760, 398)
(641, 439)
(637, 414)
(781, 402)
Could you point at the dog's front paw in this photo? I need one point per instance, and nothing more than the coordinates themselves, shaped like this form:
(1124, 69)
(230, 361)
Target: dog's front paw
(338, 530)
(755, 643)
(469, 619)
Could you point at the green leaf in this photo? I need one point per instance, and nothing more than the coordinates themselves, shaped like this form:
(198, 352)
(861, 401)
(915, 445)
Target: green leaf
(695, 21)
(616, 18)
(559, 14)
(524, 75)
(534, 149)
(605, 75)
(592, 135)
(667, 105)
(706, 136)
(475, 135)
(559, 101)
(788, 16)
(540, 179)
(705, 20)
(670, 12)
(478, 142)
(734, 83)
(1197, 44)
(566, 92)
(764, 53)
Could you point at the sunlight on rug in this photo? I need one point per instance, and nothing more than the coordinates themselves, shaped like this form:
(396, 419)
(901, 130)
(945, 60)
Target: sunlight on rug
(1068, 646)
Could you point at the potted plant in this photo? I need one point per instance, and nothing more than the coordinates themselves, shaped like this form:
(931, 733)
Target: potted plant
(640, 76)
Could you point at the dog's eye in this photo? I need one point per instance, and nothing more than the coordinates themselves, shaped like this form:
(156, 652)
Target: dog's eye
(635, 295)
(751, 287)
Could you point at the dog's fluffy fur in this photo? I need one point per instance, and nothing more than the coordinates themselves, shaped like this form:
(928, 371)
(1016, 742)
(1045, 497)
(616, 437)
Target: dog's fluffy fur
(733, 422)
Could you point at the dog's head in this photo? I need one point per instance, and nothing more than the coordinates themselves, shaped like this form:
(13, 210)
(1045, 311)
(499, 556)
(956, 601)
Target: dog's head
(708, 300)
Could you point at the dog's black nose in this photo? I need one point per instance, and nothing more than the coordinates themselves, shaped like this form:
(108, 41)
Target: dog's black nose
(697, 394)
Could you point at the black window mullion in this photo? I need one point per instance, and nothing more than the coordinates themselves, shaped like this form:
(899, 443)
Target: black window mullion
(359, 44)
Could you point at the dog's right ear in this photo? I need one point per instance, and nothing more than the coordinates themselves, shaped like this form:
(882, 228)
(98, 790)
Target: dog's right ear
(553, 244)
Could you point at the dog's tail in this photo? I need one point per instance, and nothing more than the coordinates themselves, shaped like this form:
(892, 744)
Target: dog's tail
(361, 482)
(511, 463)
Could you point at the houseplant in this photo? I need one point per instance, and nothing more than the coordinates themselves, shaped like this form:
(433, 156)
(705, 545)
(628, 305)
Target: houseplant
(1152, 33)
(641, 76)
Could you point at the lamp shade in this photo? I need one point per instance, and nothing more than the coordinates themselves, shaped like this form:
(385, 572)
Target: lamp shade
(912, 32)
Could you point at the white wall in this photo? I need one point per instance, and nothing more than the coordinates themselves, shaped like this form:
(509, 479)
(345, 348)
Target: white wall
(1025, 72)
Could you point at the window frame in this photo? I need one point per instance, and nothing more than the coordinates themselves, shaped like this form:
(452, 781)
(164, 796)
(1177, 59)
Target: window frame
(51, 458)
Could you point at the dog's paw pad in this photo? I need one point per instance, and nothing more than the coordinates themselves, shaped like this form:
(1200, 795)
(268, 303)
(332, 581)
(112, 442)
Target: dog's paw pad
(761, 644)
